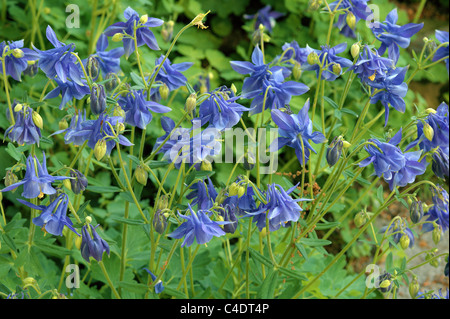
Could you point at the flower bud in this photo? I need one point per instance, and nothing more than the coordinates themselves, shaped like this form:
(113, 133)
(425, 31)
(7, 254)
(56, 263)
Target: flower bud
(32, 69)
(229, 215)
(297, 70)
(414, 288)
(117, 37)
(360, 219)
(351, 20)
(385, 282)
(313, 5)
(63, 124)
(404, 241)
(100, 149)
(163, 202)
(167, 31)
(67, 184)
(346, 144)
(141, 175)
(112, 83)
(29, 281)
(334, 151)
(206, 166)
(416, 211)
(18, 53)
(88, 219)
(241, 191)
(312, 58)
(98, 99)
(78, 182)
(430, 110)
(337, 69)
(191, 102)
(78, 240)
(143, 19)
(263, 232)
(159, 222)
(440, 164)
(118, 111)
(164, 91)
(428, 131)
(18, 107)
(249, 161)
(37, 119)
(356, 47)
(93, 67)
(436, 234)
(10, 178)
(233, 189)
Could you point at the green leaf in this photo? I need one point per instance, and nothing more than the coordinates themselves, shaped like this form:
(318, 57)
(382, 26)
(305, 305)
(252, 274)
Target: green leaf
(380, 194)
(292, 273)
(52, 249)
(13, 152)
(331, 102)
(312, 242)
(8, 241)
(157, 164)
(174, 293)
(322, 226)
(128, 221)
(268, 286)
(104, 189)
(302, 250)
(133, 287)
(262, 259)
(190, 88)
(137, 79)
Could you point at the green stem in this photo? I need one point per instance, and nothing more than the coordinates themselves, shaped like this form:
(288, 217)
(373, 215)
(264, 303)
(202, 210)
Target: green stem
(102, 266)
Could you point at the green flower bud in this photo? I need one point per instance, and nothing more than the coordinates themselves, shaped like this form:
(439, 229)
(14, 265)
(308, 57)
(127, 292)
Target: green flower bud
(112, 83)
(428, 131)
(191, 102)
(63, 124)
(430, 110)
(233, 88)
(313, 5)
(143, 19)
(37, 119)
(233, 189)
(141, 175)
(10, 178)
(164, 91)
(414, 288)
(416, 211)
(88, 219)
(355, 50)
(93, 67)
(249, 161)
(312, 58)
(163, 202)
(206, 166)
(167, 31)
(100, 149)
(297, 70)
(337, 69)
(360, 219)
(385, 283)
(351, 20)
(240, 191)
(118, 111)
(18, 107)
(436, 234)
(117, 37)
(159, 222)
(18, 53)
(404, 241)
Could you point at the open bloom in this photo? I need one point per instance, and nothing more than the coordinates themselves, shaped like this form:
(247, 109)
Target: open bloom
(109, 61)
(265, 17)
(54, 216)
(371, 66)
(439, 212)
(92, 245)
(74, 127)
(158, 286)
(197, 226)
(393, 36)
(16, 58)
(24, 130)
(169, 74)
(358, 8)
(37, 180)
(442, 37)
(296, 131)
(203, 195)
(69, 90)
(398, 229)
(137, 109)
(280, 208)
(143, 33)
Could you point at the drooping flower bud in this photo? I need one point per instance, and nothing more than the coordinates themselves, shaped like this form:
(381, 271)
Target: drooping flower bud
(117, 37)
(191, 102)
(249, 161)
(334, 151)
(37, 119)
(312, 58)
(404, 241)
(159, 222)
(167, 31)
(164, 91)
(93, 67)
(356, 47)
(143, 19)
(414, 288)
(141, 175)
(233, 189)
(206, 166)
(440, 163)
(428, 131)
(18, 53)
(98, 99)
(241, 191)
(351, 20)
(416, 211)
(18, 107)
(78, 182)
(297, 70)
(163, 202)
(430, 110)
(112, 83)
(10, 179)
(63, 124)
(337, 69)
(229, 215)
(100, 149)
(92, 245)
(436, 234)
(360, 219)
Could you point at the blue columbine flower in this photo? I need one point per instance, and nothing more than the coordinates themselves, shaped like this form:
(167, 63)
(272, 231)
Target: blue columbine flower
(295, 129)
(137, 109)
(158, 286)
(95, 130)
(387, 158)
(24, 130)
(358, 8)
(393, 91)
(438, 213)
(442, 37)
(37, 180)
(370, 66)
(328, 57)
(92, 245)
(393, 36)
(407, 174)
(69, 90)
(143, 33)
(60, 61)
(74, 127)
(280, 208)
(53, 217)
(265, 17)
(169, 74)
(440, 163)
(203, 195)
(294, 51)
(109, 61)
(197, 226)
(220, 109)
(168, 125)
(16, 58)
